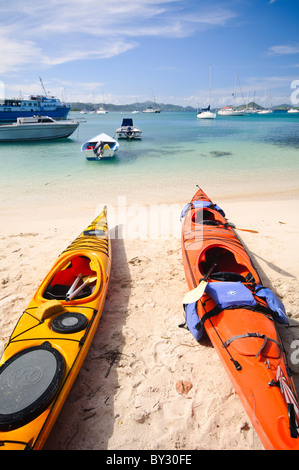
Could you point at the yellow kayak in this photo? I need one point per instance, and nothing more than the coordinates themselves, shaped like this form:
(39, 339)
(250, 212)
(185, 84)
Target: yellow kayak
(50, 340)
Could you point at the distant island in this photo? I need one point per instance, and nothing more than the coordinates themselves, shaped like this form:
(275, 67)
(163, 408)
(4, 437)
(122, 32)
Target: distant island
(129, 107)
(89, 107)
(253, 105)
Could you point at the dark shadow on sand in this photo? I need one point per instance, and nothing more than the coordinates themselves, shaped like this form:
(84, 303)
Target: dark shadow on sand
(87, 419)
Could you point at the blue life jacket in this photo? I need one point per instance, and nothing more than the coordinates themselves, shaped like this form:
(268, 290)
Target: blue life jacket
(230, 294)
(225, 295)
(201, 205)
(274, 303)
(192, 321)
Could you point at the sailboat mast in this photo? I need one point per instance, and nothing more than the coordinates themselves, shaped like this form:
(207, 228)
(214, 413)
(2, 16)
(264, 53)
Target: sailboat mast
(210, 84)
(235, 91)
(43, 87)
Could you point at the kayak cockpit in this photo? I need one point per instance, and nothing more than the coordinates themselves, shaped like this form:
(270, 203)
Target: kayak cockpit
(73, 280)
(207, 216)
(226, 265)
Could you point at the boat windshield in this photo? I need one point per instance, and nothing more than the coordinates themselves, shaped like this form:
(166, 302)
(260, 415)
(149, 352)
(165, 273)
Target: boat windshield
(127, 122)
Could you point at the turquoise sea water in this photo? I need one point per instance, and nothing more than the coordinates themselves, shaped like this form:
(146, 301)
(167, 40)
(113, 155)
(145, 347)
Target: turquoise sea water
(229, 156)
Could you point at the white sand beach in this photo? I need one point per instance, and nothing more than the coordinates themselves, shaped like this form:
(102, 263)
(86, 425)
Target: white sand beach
(146, 383)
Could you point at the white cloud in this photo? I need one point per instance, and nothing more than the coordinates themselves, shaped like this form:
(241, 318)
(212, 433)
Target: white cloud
(15, 53)
(103, 51)
(284, 49)
(60, 31)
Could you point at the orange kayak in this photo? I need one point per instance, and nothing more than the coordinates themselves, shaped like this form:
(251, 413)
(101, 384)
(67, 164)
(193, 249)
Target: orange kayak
(49, 343)
(227, 300)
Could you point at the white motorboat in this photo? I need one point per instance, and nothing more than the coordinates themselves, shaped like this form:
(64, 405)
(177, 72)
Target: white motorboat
(36, 128)
(206, 114)
(128, 130)
(100, 147)
(293, 110)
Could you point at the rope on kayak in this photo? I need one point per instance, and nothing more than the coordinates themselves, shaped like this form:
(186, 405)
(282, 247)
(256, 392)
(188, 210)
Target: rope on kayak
(22, 443)
(252, 335)
(236, 363)
(39, 322)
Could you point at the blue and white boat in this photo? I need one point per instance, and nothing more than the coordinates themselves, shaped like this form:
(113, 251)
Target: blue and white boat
(100, 147)
(11, 109)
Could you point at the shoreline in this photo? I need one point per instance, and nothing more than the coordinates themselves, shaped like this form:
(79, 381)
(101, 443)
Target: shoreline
(149, 219)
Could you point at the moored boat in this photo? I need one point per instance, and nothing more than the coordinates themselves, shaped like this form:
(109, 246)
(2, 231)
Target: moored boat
(102, 111)
(229, 302)
(49, 343)
(12, 108)
(151, 109)
(100, 147)
(36, 128)
(128, 130)
(230, 111)
(265, 111)
(205, 113)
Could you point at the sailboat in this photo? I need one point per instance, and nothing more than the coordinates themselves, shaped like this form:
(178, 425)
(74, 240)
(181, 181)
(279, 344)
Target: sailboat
(206, 113)
(151, 109)
(102, 109)
(265, 110)
(251, 107)
(231, 110)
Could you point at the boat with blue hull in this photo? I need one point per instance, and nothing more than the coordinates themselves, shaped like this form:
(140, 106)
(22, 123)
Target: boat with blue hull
(11, 109)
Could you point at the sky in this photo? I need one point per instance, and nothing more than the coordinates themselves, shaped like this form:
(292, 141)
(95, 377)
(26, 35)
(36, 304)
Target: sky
(121, 52)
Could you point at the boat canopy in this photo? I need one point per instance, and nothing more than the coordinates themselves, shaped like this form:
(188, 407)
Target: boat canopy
(127, 122)
(34, 119)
